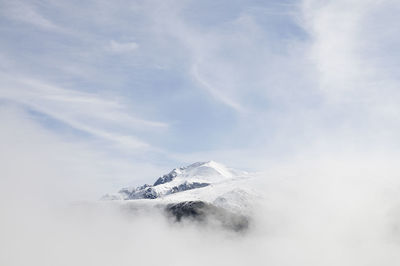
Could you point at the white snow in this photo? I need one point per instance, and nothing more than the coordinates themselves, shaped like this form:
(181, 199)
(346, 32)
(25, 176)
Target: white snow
(228, 187)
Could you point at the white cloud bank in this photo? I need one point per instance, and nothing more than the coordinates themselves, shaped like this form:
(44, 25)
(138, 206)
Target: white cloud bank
(324, 211)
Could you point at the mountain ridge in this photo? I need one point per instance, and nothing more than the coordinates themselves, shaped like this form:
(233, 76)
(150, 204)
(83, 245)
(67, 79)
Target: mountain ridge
(201, 192)
(193, 176)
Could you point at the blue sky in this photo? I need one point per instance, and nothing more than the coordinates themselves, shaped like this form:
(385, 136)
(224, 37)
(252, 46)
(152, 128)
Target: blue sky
(172, 82)
(97, 95)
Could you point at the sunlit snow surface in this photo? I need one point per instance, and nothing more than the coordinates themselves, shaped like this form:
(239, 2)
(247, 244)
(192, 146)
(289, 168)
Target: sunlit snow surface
(199, 190)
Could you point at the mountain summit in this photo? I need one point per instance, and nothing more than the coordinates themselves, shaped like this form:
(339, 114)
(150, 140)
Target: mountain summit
(194, 176)
(200, 191)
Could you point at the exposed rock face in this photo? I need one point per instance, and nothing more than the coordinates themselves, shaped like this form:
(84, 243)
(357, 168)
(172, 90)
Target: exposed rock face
(143, 192)
(167, 178)
(187, 209)
(187, 186)
(150, 192)
(207, 213)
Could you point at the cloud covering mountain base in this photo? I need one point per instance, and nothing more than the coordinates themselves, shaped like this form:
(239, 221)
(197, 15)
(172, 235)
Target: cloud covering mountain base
(331, 209)
(343, 223)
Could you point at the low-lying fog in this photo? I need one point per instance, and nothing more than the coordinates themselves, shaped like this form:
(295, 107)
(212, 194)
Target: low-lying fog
(341, 209)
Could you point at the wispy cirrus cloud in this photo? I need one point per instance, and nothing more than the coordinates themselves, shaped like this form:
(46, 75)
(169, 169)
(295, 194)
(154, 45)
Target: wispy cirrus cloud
(26, 12)
(216, 90)
(94, 114)
(263, 76)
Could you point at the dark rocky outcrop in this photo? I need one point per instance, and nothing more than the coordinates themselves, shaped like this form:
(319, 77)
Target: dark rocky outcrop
(166, 178)
(187, 186)
(204, 212)
(149, 192)
(143, 192)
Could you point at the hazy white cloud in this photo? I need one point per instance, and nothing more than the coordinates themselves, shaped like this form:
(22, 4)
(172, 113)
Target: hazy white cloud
(123, 47)
(314, 211)
(26, 12)
(59, 170)
(342, 43)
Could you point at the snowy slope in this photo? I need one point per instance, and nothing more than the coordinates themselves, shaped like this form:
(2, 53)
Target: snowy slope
(209, 182)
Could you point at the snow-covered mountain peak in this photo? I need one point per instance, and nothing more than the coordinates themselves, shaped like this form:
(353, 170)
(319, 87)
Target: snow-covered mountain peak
(201, 189)
(210, 171)
(194, 176)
